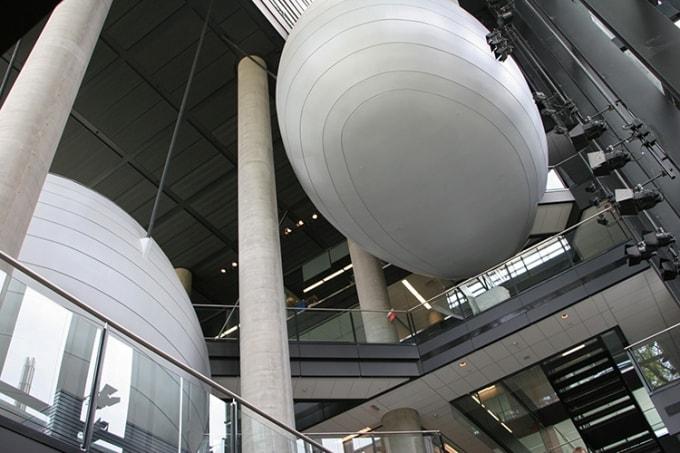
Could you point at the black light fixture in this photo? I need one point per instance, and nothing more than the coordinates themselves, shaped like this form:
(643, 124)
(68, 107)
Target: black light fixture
(631, 202)
(500, 45)
(582, 134)
(603, 163)
(657, 239)
(648, 247)
(670, 268)
(638, 253)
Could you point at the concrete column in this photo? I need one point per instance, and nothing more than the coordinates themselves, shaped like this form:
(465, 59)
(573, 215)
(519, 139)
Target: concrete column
(34, 114)
(265, 360)
(404, 419)
(185, 278)
(372, 291)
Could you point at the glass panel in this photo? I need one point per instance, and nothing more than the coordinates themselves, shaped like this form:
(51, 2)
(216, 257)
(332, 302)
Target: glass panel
(222, 431)
(138, 404)
(325, 325)
(258, 434)
(527, 269)
(658, 360)
(377, 442)
(212, 320)
(47, 356)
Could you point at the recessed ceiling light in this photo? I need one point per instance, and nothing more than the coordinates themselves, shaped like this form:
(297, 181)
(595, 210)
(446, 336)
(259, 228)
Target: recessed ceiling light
(300, 223)
(315, 216)
(224, 271)
(573, 350)
(564, 315)
(234, 264)
(462, 364)
(287, 230)
(416, 294)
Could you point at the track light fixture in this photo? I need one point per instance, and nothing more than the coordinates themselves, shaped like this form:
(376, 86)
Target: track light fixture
(502, 10)
(603, 163)
(648, 248)
(632, 201)
(670, 268)
(500, 45)
(637, 253)
(656, 240)
(582, 134)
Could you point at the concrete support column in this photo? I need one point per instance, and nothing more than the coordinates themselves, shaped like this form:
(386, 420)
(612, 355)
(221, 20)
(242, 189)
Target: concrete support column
(185, 278)
(265, 360)
(404, 419)
(372, 291)
(34, 114)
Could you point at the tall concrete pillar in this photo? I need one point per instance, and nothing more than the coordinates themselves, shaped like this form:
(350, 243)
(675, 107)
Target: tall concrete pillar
(34, 114)
(185, 278)
(404, 419)
(265, 360)
(372, 291)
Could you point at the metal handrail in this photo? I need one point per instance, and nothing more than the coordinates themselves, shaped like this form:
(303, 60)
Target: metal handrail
(121, 329)
(374, 433)
(308, 309)
(503, 263)
(645, 340)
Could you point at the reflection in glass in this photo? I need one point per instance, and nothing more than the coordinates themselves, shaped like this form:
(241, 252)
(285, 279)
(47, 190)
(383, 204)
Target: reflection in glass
(46, 361)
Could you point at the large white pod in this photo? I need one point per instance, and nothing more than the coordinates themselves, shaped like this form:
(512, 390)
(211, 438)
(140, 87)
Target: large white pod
(409, 136)
(89, 246)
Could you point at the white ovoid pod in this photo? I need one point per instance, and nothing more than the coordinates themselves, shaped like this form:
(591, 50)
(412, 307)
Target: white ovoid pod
(409, 136)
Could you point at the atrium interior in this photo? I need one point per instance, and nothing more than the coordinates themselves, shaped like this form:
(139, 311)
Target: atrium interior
(347, 226)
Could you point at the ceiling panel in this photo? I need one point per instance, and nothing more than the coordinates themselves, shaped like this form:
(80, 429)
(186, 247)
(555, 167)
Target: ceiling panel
(209, 170)
(164, 42)
(141, 19)
(118, 137)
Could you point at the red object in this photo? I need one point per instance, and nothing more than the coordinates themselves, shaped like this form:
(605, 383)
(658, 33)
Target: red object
(391, 316)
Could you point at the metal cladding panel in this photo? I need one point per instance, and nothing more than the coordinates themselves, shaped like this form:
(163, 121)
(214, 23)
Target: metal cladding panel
(90, 247)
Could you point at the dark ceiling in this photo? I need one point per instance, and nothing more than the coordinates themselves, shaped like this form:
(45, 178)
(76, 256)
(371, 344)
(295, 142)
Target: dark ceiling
(119, 131)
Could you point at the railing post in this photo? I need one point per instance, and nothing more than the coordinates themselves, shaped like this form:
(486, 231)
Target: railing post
(354, 330)
(181, 408)
(411, 326)
(233, 426)
(94, 391)
(296, 313)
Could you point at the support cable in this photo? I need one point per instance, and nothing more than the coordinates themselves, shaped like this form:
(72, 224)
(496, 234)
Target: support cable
(178, 123)
(10, 64)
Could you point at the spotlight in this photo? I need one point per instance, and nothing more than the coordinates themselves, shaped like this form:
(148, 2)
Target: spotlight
(300, 223)
(500, 45)
(234, 264)
(603, 163)
(583, 133)
(287, 231)
(655, 240)
(223, 271)
(631, 202)
(315, 216)
(638, 253)
(669, 268)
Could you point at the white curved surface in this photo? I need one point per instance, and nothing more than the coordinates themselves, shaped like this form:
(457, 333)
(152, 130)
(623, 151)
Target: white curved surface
(89, 246)
(409, 136)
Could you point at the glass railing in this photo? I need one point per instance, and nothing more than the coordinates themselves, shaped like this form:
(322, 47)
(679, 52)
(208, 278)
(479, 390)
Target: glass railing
(386, 441)
(317, 324)
(589, 238)
(68, 372)
(657, 358)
